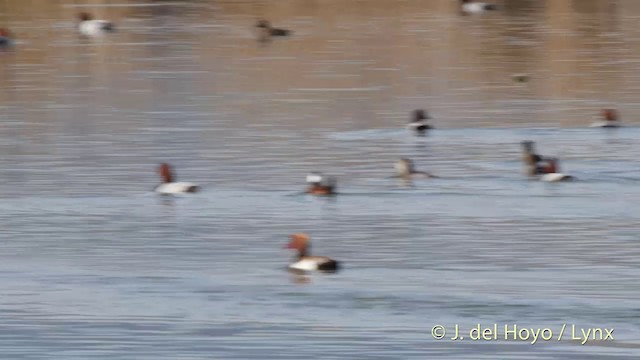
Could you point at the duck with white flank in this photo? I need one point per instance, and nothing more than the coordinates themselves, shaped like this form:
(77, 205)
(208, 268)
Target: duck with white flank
(552, 172)
(90, 27)
(304, 261)
(418, 122)
(170, 186)
(406, 170)
(610, 119)
(475, 7)
(536, 165)
(319, 185)
(266, 31)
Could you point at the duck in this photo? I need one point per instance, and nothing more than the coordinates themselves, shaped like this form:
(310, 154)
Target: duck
(319, 185)
(266, 31)
(304, 261)
(475, 7)
(406, 170)
(552, 174)
(521, 78)
(610, 119)
(418, 122)
(534, 163)
(5, 38)
(170, 186)
(90, 27)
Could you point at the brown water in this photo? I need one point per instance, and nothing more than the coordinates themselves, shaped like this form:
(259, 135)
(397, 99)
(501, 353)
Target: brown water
(94, 265)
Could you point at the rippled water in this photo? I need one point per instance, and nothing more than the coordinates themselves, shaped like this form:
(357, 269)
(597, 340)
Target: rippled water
(95, 265)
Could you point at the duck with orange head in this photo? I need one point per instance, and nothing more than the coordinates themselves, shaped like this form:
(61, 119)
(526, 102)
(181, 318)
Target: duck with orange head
(609, 119)
(552, 172)
(169, 184)
(547, 168)
(304, 261)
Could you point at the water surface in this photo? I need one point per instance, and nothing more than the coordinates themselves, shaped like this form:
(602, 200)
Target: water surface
(94, 265)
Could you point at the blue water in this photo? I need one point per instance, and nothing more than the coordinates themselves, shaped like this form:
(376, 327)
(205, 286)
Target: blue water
(93, 264)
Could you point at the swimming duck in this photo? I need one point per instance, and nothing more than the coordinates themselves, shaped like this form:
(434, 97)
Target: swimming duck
(5, 38)
(475, 7)
(418, 122)
(521, 78)
(90, 27)
(533, 162)
(170, 186)
(610, 119)
(405, 169)
(318, 185)
(266, 31)
(551, 172)
(304, 261)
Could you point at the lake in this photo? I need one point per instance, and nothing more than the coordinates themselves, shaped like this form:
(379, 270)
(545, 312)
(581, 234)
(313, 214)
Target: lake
(94, 264)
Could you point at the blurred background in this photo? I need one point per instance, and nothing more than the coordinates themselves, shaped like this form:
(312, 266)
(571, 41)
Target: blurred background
(93, 264)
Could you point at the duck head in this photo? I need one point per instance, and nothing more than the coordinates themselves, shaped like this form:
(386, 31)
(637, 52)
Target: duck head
(263, 24)
(4, 32)
(85, 16)
(300, 243)
(528, 146)
(166, 173)
(404, 167)
(419, 115)
(610, 114)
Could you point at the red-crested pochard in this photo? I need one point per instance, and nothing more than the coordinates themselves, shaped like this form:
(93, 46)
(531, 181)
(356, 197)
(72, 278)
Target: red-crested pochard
(609, 119)
(552, 172)
(170, 186)
(304, 261)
